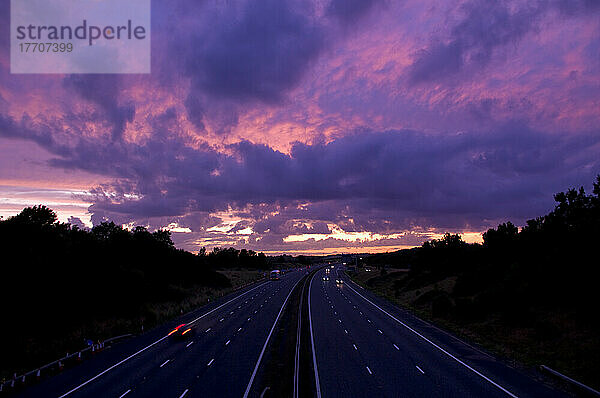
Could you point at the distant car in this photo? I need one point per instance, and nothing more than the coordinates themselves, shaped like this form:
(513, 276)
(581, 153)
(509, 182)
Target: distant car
(339, 281)
(275, 275)
(327, 270)
(325, 278)
(182, 332)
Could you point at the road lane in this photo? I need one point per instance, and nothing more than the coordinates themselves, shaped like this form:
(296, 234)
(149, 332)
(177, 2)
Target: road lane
(405, 362)
(138, 375)
(395, 369)
(339, 365)
(221, 359)
(360, 345)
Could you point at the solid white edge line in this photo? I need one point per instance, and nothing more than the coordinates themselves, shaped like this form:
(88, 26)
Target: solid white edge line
(312, 341)
(438, 347)
(153, 344)
(262, 352)
(125, 393)
(183, 394)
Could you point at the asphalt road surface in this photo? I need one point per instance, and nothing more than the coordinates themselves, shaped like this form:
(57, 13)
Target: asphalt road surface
(300, 336)
(365, 347)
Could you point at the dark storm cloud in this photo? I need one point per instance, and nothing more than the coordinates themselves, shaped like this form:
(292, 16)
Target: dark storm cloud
(350, 11)
(239, 56)
(487, 26)
(28, 129)
(260, 56)
(233, 54)
(103, 90)
(382, 180)
(397, 177)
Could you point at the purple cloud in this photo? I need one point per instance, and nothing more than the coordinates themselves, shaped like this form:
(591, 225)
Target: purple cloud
(263, 110)
(103, 90)
(487, 27)
(383, 181)
(350, 11)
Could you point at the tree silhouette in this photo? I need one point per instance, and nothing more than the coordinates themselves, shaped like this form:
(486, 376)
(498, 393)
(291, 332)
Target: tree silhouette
(37, 215)
(57, 279)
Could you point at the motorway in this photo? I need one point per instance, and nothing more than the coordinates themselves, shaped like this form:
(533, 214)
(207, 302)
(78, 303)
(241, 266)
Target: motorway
(217, 362)
(300, 336)
(366, 347)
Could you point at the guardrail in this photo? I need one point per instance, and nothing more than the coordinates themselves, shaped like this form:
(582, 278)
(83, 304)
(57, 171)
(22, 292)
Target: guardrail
(18, 381)
(569, 380)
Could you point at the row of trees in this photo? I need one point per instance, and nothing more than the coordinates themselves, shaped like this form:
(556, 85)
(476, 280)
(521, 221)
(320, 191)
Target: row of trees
(551, 262)
(57, 277)
(233, 258)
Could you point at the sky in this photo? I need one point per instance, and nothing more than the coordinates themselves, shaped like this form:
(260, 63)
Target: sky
(316, 126)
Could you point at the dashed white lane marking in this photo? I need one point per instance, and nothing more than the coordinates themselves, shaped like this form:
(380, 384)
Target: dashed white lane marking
(165, 362)
(346, 331)
(369, 370)
(189, 344)
(210, 362)
(125, 393)
(420, 370)
(183, 394)
(368, 320)
(354, 345)
(228, 341)
(239, 329)
(207, 330)
(248, 318)
(396, 347)
(221, 320)
(340, 320)
(379, 330)
(255, 311)
(231, 313)
(153, 344)
(478, 373)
